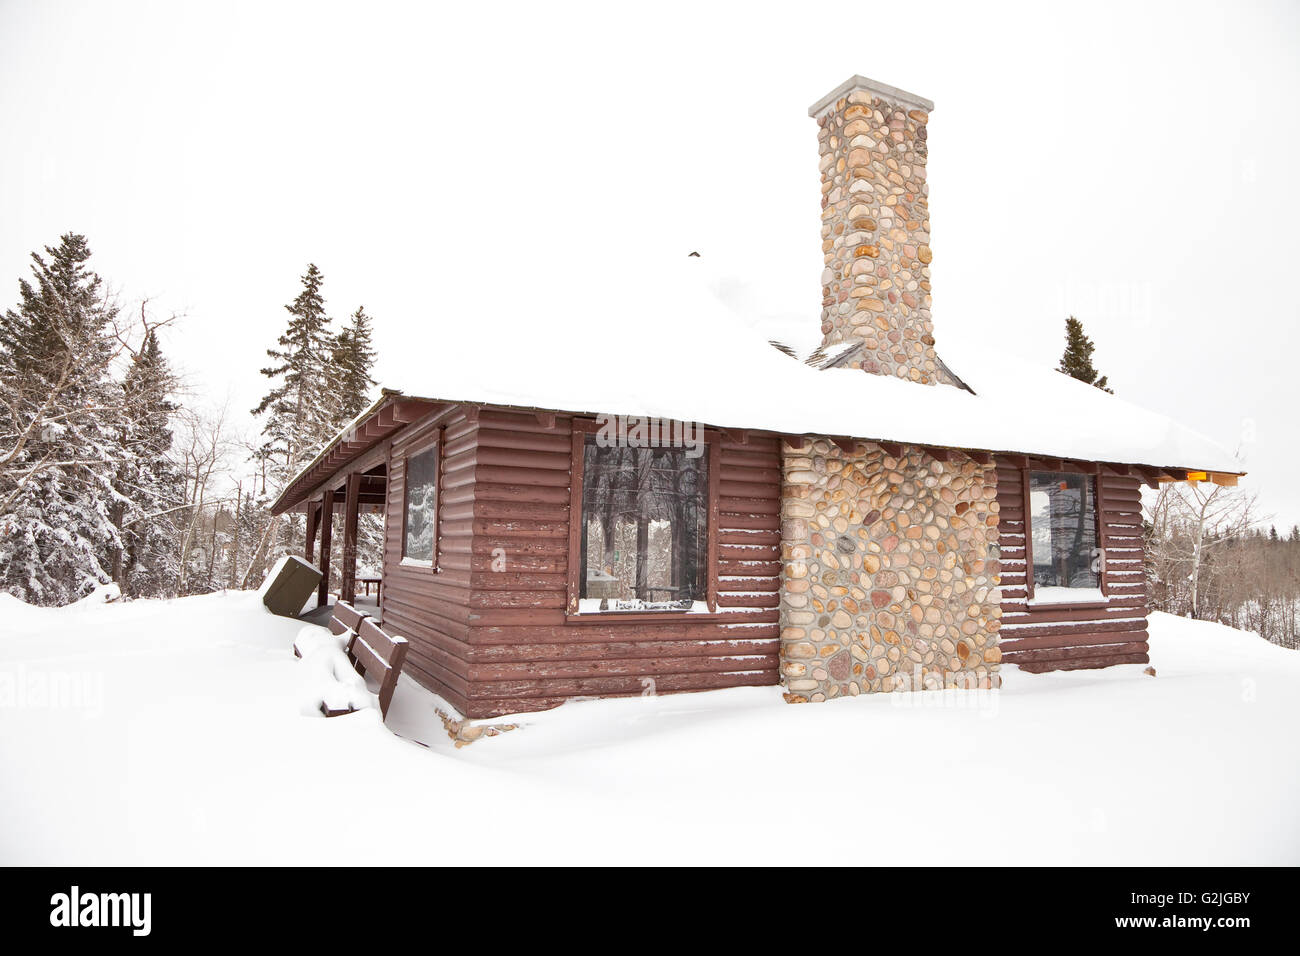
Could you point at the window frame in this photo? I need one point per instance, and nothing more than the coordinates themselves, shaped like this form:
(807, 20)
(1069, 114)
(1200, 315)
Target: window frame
(433, 444)
(582, 427)
(1099, 528)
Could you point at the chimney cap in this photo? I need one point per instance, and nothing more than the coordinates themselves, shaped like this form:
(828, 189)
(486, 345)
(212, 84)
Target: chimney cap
(890, 94)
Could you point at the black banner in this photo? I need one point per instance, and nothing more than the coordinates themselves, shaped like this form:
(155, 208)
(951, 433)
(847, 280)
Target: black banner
(798, 905)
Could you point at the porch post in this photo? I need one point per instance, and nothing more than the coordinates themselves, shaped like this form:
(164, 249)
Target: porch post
(348, 587)
(310, 547)
(326, 526)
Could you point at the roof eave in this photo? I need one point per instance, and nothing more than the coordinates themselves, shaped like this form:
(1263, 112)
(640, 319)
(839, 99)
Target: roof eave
(374, 425)
(341, 450)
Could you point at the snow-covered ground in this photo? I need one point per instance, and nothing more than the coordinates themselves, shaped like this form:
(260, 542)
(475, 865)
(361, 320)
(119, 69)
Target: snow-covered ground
(176, 732)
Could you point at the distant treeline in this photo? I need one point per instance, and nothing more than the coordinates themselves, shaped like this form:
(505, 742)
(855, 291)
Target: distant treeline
(1208, 558)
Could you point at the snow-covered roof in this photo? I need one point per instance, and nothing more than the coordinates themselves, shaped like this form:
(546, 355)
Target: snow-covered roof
(654, 331)
(658, 335)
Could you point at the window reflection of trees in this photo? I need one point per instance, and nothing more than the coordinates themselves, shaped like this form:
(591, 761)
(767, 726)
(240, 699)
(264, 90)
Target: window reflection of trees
(421, 500)
(1063, 529)
(645, 525)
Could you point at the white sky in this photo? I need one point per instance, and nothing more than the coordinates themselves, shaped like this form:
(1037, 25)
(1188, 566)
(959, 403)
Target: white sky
(1132, 164)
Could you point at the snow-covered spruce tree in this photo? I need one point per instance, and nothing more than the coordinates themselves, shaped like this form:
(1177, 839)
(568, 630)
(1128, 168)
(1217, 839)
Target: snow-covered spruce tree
(1076, 362)
(300, 407)
(354, 357)
(57, 438)
(147, 480)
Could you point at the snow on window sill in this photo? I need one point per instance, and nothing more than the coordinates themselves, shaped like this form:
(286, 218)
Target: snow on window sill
(589, 612)
(416, 563)
(593, 606)
(1048, 596)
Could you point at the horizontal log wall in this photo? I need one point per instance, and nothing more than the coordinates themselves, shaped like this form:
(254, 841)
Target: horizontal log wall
(431, 608)
(1097, 635)
(520, 651)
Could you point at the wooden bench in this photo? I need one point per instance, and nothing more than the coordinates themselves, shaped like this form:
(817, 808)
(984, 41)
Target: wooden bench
(371, 651)
(345, 618)
(378, 655)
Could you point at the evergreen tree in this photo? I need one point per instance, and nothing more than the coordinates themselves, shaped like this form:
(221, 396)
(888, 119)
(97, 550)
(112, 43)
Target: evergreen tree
(299, 407)
(1076, 362)
(148, 481)
(57, 438)
(354, 357)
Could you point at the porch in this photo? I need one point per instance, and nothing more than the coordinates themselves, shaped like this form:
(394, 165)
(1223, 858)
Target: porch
(347, 479)
(357, 493)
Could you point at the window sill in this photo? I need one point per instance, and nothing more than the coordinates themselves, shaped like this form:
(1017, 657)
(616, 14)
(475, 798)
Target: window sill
(416, 563)
(1067, 598)
(641, 617)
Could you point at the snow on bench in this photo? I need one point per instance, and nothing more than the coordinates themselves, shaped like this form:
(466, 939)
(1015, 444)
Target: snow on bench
(371, 651)
(378, 655)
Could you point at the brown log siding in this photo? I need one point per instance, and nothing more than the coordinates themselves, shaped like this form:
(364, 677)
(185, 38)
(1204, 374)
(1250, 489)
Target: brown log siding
(1098, 635)
(497, 642)
(494, 642)
(431, 609)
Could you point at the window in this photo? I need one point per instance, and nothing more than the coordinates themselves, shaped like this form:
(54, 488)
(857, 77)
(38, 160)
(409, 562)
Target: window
(420, 515)
(644, 538)
(1063, 532)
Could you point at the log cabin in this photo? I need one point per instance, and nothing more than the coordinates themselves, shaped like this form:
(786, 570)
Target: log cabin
(677, 505)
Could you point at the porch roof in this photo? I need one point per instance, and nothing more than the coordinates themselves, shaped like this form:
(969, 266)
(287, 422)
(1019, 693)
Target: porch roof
(389, 413)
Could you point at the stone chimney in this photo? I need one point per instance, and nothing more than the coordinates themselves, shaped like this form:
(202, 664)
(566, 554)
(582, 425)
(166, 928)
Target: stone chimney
(876, 228)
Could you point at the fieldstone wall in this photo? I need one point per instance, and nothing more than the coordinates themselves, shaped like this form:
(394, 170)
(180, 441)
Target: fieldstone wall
(890, 571)
(876, 235)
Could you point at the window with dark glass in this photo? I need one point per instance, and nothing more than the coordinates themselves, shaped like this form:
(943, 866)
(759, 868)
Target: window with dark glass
(1063, 530)
(645, 514)
(421, 505)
